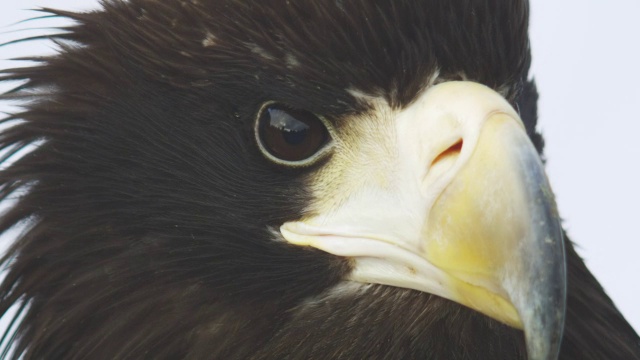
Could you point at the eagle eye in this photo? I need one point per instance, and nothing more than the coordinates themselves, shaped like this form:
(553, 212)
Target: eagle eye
(290, 136)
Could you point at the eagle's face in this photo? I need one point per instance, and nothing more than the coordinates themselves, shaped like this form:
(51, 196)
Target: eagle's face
(231, 179)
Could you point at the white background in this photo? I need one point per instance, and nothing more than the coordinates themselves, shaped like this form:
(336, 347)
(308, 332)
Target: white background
(586, 61)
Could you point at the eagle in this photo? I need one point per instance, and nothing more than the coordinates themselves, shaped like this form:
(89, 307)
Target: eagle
(290, 179)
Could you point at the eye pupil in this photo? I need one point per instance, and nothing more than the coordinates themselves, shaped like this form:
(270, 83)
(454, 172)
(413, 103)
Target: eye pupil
(293, 131)
(294, 137)
(290, 135)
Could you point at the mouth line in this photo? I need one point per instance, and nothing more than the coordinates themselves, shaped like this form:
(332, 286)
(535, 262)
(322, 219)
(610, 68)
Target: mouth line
(308, 233)
(367, 245)
(371, 249)
(379, 260)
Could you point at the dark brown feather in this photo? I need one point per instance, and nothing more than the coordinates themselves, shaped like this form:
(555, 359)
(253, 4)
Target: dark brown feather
(147, 207)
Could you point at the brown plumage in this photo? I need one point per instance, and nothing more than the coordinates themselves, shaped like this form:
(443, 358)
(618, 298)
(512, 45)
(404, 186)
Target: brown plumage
(150, 207)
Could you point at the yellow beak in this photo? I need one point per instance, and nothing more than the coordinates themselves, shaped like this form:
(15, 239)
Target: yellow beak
(467, 214)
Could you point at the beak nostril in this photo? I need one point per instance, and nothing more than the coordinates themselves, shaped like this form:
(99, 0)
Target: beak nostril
(452, 151)
(442, 164)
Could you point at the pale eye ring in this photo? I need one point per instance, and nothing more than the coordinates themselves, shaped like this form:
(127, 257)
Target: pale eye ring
(290, 136)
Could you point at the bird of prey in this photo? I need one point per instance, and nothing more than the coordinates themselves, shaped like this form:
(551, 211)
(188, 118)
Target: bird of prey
(290, 179)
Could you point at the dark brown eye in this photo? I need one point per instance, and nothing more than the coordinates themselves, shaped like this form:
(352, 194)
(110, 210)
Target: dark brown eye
(290, 136)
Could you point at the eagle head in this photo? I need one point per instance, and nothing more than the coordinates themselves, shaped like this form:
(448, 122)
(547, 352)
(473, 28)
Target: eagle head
(283, 179)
